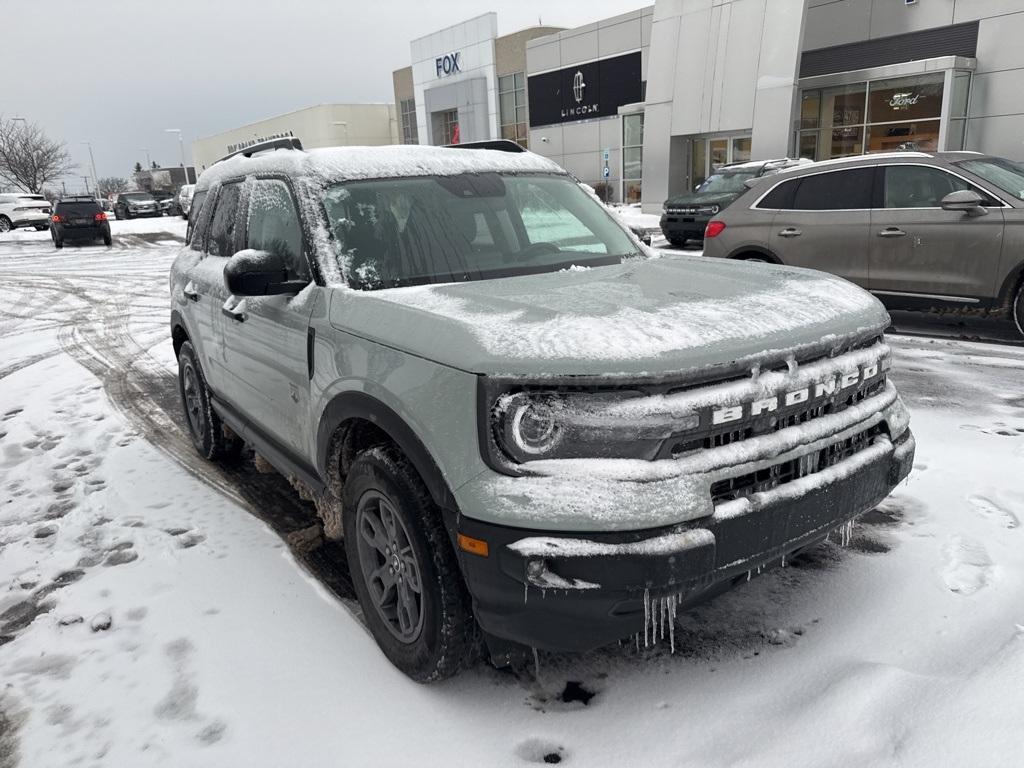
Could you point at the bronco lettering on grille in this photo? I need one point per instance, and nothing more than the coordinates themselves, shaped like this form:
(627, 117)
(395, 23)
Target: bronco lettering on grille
(813, 392)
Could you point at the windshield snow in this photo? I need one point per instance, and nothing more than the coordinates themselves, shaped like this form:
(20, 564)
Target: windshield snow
(726, 182)
(440, 229)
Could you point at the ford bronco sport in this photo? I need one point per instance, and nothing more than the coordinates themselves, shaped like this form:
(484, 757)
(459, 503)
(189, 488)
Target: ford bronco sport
(495, 394)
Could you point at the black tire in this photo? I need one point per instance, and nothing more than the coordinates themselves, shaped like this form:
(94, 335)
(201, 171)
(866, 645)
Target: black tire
(446, 639)
(5, 224)
(204, 425)
(40, 229)
(117, 215)
(678, 242)
(1018, 309)
(108, 240)
(58, 243)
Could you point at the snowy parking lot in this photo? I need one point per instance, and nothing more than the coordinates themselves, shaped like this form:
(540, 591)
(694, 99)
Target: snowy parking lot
(159, 610)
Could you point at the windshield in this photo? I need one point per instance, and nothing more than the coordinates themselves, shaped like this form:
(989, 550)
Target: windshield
(1003, 173)
(438, 229)
(726, 182)
(139, 197)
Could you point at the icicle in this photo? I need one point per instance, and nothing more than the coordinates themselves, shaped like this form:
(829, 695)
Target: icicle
(637, 638)
(672, 624)
(526, 592)
(783, 561)
(536, 665)
(662, 610)
(647, 612)
(748, 575)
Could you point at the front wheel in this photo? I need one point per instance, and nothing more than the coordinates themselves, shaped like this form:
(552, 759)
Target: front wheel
(5, 224)
(404, 568)
(204, 425)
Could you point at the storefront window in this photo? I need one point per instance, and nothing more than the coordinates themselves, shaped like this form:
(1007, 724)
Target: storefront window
(897, 114)
(632, 157)
(512, 107)
(741, 150)
(718, 153)
(445, 127)
(700, 162)
(710, 154)
(410, 132)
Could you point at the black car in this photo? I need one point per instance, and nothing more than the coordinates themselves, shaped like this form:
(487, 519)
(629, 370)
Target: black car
(686, 216)
(79, 219)
(167, 203)
(128, 205)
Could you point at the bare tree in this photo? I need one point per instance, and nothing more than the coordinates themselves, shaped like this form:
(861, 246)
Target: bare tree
(29, 158)
(111, 185)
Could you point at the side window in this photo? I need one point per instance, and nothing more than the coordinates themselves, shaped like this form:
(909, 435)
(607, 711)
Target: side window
(920, 186)
(197, 222)
(780, 198)
(835, 191)
(222, 227)
(273, 225)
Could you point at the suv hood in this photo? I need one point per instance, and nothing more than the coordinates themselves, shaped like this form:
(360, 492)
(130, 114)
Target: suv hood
(693, 198)
(641, 318)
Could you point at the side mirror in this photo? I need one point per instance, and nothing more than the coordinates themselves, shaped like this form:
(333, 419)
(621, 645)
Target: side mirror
(964, 200)
(259, 273)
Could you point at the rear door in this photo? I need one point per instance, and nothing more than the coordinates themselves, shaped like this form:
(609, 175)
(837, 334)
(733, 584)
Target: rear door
(921, 252)
(823, 222)
(265, 338)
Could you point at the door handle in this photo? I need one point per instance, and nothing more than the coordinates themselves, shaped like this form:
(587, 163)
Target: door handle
(233, 314)
(790, 232)
(190, 294)
(892, 232)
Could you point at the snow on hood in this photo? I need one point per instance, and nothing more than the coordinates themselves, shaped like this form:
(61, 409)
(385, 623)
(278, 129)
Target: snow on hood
(639, 317)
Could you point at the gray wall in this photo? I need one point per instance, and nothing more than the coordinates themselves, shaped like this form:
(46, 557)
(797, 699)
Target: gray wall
(470, 98)
(996, 114)
(578, 146)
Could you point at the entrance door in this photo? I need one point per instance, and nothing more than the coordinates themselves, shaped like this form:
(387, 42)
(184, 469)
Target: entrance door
(919, 251)
(707, 155)
(265, 337)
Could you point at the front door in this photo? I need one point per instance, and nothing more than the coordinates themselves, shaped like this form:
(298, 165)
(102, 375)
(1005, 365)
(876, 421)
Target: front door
(823, 222)
(265, 337)
(920, 251)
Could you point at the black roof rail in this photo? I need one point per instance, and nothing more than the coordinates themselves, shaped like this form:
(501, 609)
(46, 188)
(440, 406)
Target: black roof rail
(288, 143)
(501, 145)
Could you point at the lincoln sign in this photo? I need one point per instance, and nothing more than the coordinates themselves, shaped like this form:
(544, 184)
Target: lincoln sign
(595, 89)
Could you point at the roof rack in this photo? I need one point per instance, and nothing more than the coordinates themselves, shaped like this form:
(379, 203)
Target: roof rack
(289, 143)
(500, 145)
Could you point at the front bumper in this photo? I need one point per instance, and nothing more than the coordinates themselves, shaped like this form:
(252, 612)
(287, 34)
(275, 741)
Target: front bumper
(684, 226)
(573, 592)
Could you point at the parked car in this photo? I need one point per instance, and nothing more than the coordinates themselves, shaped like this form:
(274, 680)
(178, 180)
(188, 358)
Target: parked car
(495, 394)
(22, 209)
(920, 230)
(185, 199)
(79, 218)
(167, 203)
(685, 216)
(128, 205)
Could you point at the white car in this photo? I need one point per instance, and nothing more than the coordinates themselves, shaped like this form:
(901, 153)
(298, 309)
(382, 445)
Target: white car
(185, 199)
(22, 209)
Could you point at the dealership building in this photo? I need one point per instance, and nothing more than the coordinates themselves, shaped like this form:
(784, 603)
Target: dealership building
(650, 102)
(325, 125)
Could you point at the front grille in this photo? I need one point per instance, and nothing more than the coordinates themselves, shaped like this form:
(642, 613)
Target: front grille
(769, 423)
(787, 471)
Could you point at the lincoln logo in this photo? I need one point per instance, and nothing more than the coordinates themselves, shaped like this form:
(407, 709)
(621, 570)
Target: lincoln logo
(577, 86)
(811, 393)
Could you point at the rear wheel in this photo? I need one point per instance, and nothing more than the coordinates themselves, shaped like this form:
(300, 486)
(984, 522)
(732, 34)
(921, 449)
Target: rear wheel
(404, 568)
(204, 425)
(58, 242)
(1018, 309)
(5, 224)
(108, 240)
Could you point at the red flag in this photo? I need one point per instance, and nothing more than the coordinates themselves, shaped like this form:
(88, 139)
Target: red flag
(455, 133)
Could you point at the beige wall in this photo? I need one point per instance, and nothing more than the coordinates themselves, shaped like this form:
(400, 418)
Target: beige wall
(325, 125)
(402, 80)
(510, 50)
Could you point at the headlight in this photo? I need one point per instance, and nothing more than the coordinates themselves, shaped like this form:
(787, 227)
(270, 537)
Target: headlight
(709, 210)
(526, 426)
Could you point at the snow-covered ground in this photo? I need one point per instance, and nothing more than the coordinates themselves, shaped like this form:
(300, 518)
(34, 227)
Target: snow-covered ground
(156, 610)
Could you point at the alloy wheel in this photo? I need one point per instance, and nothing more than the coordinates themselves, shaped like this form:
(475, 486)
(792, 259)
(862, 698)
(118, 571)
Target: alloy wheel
(193, 403)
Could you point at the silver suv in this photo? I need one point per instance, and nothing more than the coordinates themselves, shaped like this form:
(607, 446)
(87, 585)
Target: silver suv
(496, 394)
(919, 230)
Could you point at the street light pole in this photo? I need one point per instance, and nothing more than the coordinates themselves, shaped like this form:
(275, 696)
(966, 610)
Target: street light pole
(181, 145)
(92, 160)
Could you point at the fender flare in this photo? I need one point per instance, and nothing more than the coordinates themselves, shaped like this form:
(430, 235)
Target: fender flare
(734, 254)
(1010, 282)
(359, 405)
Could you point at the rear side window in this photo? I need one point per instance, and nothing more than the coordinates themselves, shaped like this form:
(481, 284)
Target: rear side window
(835, 191)
(222, 227)
(781, 197)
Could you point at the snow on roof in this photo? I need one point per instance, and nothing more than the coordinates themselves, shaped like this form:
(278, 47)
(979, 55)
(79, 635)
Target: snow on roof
(347, 163)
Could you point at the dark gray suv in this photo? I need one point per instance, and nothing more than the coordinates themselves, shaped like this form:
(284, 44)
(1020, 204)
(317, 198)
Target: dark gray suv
(919, 230)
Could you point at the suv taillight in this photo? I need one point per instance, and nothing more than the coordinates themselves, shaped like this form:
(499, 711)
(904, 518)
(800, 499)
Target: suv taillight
(55, 219)
(713, 229)
(101, 216)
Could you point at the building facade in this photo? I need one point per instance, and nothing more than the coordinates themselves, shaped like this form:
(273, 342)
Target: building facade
(325, 125)
(465, 83)
(649, 103)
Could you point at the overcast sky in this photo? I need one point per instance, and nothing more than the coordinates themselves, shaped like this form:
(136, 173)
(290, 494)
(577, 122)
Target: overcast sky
(117, 73)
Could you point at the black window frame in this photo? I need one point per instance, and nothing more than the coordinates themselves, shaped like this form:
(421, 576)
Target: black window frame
(241, 206)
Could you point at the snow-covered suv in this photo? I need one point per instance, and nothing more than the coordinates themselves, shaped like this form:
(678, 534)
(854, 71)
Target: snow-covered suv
(495, 394)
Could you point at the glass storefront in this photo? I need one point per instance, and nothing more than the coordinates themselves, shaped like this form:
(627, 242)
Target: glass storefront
(707, 155)
(897, 114)
(632, 157)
